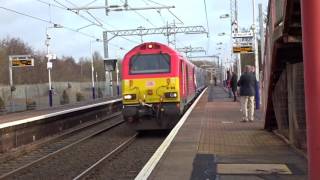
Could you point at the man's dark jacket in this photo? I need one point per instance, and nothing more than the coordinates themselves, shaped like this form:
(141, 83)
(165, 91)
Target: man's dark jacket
(233, 83)
(247, 84)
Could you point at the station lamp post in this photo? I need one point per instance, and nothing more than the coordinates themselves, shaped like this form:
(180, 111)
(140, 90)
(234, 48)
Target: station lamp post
(92, 69)
(49, 58)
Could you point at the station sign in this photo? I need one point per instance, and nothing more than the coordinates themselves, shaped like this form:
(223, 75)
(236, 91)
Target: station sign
(21, 60)
(242, 35)
(242, 49)
(243, 42)
(110, 64)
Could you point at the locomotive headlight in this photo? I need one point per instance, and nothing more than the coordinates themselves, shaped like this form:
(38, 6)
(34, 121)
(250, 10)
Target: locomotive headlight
(170, 95)
(129, 96)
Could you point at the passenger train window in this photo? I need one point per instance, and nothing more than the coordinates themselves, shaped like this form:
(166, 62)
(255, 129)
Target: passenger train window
(182, 76)
(150, 64)
(187, 79)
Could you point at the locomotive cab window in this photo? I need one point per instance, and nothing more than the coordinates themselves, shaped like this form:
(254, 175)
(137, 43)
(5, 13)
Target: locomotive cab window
(150, 64)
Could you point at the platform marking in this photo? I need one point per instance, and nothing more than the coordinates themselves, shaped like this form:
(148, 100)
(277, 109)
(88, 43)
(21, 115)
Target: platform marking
(153, 161)
(226, 122)
(253, 169)
(36, 118)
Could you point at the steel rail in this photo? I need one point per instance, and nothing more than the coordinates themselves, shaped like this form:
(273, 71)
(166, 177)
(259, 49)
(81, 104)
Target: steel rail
(110, 154)
(6, 175)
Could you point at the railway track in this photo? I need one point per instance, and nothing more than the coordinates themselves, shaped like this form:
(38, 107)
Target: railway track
(109, 155)
(58, 145)
(127, 161)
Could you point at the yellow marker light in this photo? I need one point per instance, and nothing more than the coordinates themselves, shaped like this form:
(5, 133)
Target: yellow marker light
(170, 95)
(129, 96)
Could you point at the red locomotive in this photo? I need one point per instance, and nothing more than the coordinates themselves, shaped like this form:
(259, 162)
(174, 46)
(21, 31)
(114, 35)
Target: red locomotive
(157, 86)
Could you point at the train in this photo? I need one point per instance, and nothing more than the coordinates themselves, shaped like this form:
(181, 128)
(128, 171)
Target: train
(158, 84)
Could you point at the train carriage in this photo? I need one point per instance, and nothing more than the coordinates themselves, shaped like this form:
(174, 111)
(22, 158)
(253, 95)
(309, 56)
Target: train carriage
(157, 85)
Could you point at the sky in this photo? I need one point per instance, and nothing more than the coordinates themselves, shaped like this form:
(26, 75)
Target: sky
(65, 42)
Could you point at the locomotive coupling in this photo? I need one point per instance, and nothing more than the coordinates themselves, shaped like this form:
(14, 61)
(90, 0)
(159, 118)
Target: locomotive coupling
(145, 104)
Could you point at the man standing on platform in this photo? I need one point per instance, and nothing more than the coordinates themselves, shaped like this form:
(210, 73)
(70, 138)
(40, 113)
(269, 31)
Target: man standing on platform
(256, 96)
(233, 83)
(228, 85)
(247, 85)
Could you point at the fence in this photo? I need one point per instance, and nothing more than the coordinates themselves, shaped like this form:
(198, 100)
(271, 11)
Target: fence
(36, 96)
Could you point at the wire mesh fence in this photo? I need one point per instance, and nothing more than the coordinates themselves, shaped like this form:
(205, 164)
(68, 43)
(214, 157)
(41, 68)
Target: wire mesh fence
(36, 96)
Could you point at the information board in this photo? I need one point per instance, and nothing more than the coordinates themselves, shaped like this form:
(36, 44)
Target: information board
(21, 60)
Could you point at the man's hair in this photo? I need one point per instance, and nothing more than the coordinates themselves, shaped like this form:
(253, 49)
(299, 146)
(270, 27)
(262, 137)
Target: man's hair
(248, 68)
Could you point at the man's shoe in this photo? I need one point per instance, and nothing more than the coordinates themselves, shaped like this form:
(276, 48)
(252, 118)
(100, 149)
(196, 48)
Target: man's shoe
(251, 120)
(243, 120)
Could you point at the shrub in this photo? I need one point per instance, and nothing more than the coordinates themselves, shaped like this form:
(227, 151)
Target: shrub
(65, 98)
(31, 104)
(2, 105)
(79, 96)
(100, 94)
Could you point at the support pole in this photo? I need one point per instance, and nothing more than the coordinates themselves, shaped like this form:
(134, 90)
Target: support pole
(11, 86)
(118, 83)
(92, 73)
(106, 55)
(50, 87)
(49, 67)
(261, 32)
(111, 84)
(311, 54)
(238, 56)
(256, 56)
(168, 36)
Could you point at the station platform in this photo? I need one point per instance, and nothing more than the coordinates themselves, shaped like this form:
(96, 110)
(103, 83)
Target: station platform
(213, 144)
(17, 116)
(33, 127)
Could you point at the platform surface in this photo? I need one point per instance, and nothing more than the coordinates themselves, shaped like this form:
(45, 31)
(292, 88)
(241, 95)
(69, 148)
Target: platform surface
(214, 145)
(16, 116)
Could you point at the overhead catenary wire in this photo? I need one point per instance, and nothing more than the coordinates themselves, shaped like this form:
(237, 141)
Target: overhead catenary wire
(91, 2)
(53, 5)
(145, 2)
(64, 7)
(139, 14)
(90, 14)
(163, 20)
(175, 16)
(168, 10)
(71, 3)
(158, 12)
(53, 23)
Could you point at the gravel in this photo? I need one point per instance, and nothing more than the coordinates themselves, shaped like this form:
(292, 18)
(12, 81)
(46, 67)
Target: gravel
(128, 163)
(60, 164)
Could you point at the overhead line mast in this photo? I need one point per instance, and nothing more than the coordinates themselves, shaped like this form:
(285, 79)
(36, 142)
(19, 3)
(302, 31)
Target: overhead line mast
(167, 31)
(235, 30)
(124, 7)
(190, 49)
